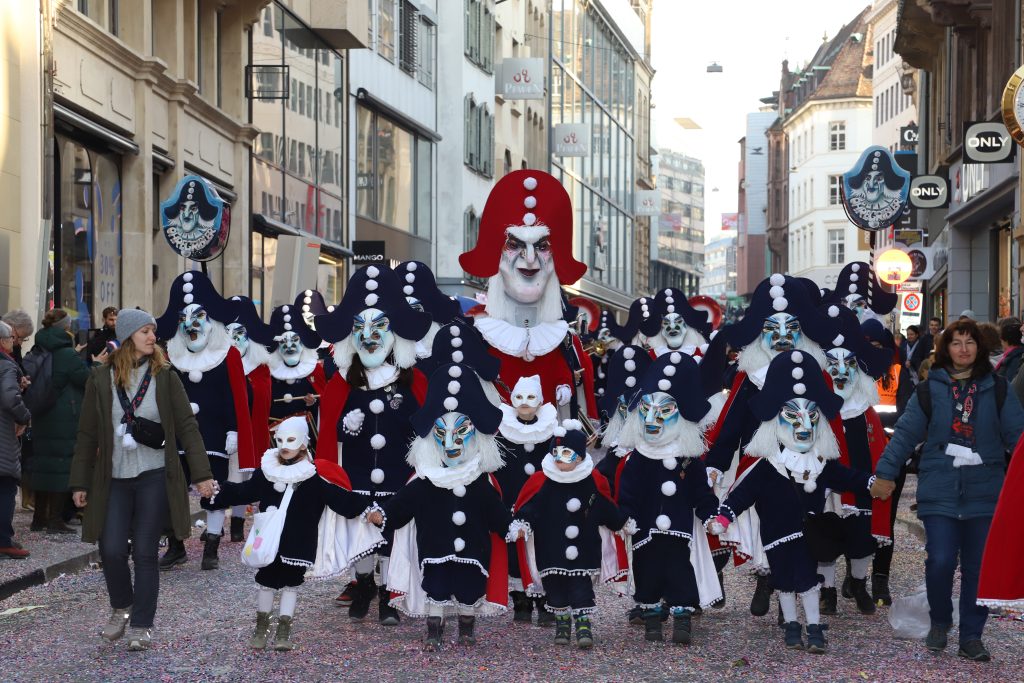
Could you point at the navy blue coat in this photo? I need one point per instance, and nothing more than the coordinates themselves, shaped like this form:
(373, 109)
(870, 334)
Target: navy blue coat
(519, 466)
(216, 416)
(358, 456)
(737, 429)
(298, 388)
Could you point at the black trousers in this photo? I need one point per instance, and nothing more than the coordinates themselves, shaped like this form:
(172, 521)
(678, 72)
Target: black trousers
(137, 510)
(569, 593)
(883, 556)
(8, 490)
(662, 571)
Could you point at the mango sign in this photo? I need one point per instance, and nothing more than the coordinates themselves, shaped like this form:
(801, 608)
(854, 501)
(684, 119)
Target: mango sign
(893, 266)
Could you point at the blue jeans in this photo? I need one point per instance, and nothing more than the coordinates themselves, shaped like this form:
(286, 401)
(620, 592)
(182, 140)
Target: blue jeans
(946, 538)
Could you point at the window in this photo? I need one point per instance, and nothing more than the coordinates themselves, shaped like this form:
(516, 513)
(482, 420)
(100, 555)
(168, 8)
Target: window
(479, 137)
(409, 23)
(836, 247)
(837, 136)
(427, 40)
(386, 30)
(835, 190)
(470, 232)
(479, 32)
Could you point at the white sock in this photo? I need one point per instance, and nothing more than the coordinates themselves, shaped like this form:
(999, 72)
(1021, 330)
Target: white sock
(238, 511)
(810, 603)
(265, 600)
(289, 596)
(214, 522)
(385, 563)
(828, 573)
(859, 567)
(466, 610)
(365, 565)
(435, 610)
(788, 603)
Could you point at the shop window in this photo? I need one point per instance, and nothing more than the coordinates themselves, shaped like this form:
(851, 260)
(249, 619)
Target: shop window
(392, 167)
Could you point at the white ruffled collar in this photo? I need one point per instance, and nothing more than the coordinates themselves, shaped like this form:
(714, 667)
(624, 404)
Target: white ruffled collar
(758, 376)
(794, 465)
(307, 363)
(522, 342)
(854, 407)
(579, 473)
(671, 450)
(688, 349)
(522, 433)
(203, 361)
(451, 477)
(381, 376)
(280, 474)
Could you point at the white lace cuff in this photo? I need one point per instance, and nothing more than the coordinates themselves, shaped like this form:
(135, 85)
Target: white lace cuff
(629, 528)
(515, 527)
(374, 508)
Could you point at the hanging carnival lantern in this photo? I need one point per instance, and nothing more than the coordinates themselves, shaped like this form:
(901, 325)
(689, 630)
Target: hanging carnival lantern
(876, 190)
(195, 220)
(894, 266)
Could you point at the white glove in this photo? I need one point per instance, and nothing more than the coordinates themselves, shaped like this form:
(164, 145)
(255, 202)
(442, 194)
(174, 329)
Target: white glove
(353, 421)
(563, 394)
(715, 527)
(713, 476)
(231, 443)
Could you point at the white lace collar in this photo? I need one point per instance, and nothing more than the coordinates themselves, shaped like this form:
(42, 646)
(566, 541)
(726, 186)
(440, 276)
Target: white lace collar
(451, 477)
(535, 432)
(280, 474)
(522, 342)
(307, 363)
(199, 362)
(381, 376)
(578, 473)
(854, 407)
(688, 349)
(758, 376)
(795, 466)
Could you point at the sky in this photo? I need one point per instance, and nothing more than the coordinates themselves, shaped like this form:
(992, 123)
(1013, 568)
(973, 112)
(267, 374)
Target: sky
(749, 38)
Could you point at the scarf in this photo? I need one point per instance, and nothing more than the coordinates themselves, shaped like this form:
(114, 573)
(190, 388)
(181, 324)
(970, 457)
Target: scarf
(962, 442)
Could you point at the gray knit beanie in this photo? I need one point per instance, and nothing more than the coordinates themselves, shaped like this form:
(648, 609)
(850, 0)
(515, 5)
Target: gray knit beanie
(130, 321)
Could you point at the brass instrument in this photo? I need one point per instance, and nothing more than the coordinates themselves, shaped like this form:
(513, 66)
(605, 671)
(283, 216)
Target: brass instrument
(596, 347)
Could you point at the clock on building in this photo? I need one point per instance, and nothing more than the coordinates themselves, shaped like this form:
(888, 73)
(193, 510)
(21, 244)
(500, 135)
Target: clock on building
(1013, 106)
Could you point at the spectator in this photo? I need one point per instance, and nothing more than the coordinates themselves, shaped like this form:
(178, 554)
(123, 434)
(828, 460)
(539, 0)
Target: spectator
(990, 332)
(968, 314)
(105, 334)
(955, 413)
(901, 345)
(22, 327)
(927, 343)
(913, 361)
(13, 418)
(1013, 353)
(128, 488)
(54, 431)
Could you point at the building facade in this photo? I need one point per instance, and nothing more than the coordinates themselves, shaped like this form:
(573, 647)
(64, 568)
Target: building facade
(720, 268)
(677, 244)
(753, 262)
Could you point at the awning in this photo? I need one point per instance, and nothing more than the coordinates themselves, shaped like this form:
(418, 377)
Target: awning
(115, 141)
(271, 226)
(380, 106)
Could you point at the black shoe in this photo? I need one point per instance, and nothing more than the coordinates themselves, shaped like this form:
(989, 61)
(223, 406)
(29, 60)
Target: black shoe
(975, 651)
(466, 624)
(794, 635)
(584, 634)
(937, 638)
(238, 529)
(681, 628)
(880, 589)
(652, 625)
(544, 617)
(762, 599)
(719, 603)
(435, 631)
(636, 616)
(59, 527)
(387, 615)
(362, 596)
(203, 536)
(847, 588)
(563, 629)
(816, 642)
(522, 607)
(859, 588)
(210, 560)
(827, 600)
(174, 555)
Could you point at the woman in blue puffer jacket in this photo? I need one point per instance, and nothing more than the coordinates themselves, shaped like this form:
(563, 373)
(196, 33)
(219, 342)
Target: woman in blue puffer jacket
(966, 437)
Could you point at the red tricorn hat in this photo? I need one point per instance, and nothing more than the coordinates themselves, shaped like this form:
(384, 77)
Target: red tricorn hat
(525, 198)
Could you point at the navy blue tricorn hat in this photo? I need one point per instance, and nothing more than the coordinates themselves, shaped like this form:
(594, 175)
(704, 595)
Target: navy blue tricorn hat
(791, 375)
(373, 287)
(676, 374)
(418, 282)
(248, 317)
(193, 287)
(460, 342)
(781, 294)
(625, 370)
(454, 388)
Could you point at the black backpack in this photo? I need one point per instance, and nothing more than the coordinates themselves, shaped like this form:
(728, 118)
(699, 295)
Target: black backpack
(40, 397)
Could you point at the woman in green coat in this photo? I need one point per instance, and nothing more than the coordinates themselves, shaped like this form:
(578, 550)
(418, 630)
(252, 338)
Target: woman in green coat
(126, 472)
(53, 432)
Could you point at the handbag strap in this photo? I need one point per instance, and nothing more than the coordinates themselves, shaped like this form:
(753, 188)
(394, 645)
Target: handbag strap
(129, 408)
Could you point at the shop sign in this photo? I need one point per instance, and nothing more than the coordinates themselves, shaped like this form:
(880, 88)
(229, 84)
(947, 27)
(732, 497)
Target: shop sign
(974, 180)
(908, 237)
(909, 136)
(922, 260)
(929, 192)
(987, 142)
(876, 190)
(522, 79)
(648, 203)
(367, 252)
(572, 139)
(195, 220)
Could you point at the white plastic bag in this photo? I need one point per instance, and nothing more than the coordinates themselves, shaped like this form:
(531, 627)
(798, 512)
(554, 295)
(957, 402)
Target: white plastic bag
(909, 616)
(265, 535)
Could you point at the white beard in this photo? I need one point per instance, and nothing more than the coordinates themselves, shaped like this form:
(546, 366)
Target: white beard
(423, 346)
(863, 396)
(612, 435)
(754, 357)
(503, 307)
(767, 440)
(425, 455)
(403, 354)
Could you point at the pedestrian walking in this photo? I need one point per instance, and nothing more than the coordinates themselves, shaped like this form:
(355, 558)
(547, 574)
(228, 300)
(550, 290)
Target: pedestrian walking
(22, 329)
(126, 472)
(968, 420)
(14, 417)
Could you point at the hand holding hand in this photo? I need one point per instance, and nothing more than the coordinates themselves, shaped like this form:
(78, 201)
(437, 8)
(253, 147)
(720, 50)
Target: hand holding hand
(24, 381)
(206, 489)
(353, 421)
(563, 394)
(882, 488)
(375, 518)
(19, 430)
(79, 498)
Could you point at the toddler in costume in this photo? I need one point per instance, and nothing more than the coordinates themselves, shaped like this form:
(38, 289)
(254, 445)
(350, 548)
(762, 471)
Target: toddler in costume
(289, 483)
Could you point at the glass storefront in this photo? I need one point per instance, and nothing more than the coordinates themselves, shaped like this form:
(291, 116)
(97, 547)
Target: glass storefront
(592, 82)
(85, 248)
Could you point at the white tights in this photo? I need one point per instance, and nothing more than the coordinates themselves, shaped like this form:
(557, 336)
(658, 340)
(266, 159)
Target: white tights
(435, 610)
(214, 522)
(808, 599)
(265, 601)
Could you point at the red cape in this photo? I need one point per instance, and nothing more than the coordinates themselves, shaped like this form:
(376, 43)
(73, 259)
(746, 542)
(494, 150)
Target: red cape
(1002, 581)
(880, 509)
(243, 421)
(259, 380)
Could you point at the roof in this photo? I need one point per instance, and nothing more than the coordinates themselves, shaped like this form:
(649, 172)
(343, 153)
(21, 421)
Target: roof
(840, 69)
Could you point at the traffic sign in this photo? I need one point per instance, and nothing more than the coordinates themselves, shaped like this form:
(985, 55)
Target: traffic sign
(912, 302)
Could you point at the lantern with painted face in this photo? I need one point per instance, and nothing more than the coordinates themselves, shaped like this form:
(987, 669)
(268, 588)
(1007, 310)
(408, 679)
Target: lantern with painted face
(194, 327)
(372, 337)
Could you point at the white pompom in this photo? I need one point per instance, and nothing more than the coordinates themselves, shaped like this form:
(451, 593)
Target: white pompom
(454, 331)
(451, 404)
(188, 298)
(279, 487)
(408, 290)
(372, 272)
(670, 370)
(194, 407)
(529, 468)
(798, 357)
(458, 518)
(780, 304)
(631, 382)
(777, 279)
(128, 441)
(572, 424)
(455, 371)
(287, 318)
(529, 447)
(410, 278)
(852, 289)
(664, 384)
(855, 267)
(460, 545)
(854, 278)
(628, 353)
(675, 357)
(644, 308)
(459, 491)
(530, 202)
(572, 531)
(810, 486)
(670, 309)
(572, 552)
(668, 488)
(833, 311)
(371, 285)
(305, 307)
(798, 373)
(195, 376)
(573, 505)
(454, 387)
(187, 287)
(558, 431)
(376, 406)
(187, 277)
(799, 389)
(377, 442)
(285, 309)
(377, 475)
(371, 300)
(330, 309)
(457, 356)
(630, 366)
(663, 522)
(530, 183)
(288, 398)
(410, 266)
(776, 292)
(288, 327)
(529, 218)
(669, 463)
(456, 342)
(838, 341)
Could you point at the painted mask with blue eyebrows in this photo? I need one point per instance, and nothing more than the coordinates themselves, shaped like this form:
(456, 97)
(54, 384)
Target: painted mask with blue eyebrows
(372, 337)
(454, 433)
(780, 332)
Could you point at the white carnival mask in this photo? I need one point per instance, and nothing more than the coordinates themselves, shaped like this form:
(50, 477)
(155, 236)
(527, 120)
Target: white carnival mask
(673, 328)
(527, 396)
(841, 365)
(239, 337)
(780, 332)
(798, 422)
(526, 264)
(194, 327)
(372, 337)
(454, 433)
(859, 305)
(659, 414)
(290, 348)
(292, 435)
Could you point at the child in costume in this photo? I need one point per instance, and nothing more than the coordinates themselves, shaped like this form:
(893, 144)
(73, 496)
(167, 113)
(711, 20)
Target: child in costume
(795, 459)
(565, 512)
(664, 487)
(448, 557)
(290, 482)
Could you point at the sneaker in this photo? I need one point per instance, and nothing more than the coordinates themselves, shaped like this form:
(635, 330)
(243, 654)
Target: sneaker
(117, 623)
(975, 651)
(139, 638)
(936, 640)
(345, 599)
(14, 552)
